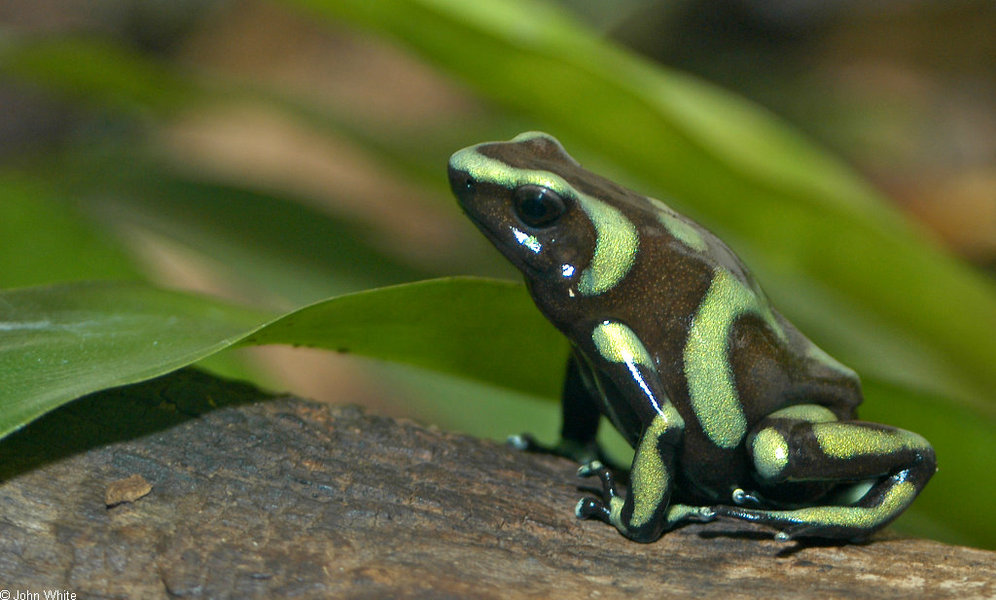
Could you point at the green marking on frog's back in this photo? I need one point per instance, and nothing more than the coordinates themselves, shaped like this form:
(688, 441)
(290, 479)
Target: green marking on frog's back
(711, 386)
(844, 441)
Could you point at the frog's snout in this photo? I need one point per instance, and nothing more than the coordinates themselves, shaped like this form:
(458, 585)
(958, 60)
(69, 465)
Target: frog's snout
(460, 181)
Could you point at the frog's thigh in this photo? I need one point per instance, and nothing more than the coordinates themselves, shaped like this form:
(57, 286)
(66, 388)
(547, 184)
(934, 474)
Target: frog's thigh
(806, 443)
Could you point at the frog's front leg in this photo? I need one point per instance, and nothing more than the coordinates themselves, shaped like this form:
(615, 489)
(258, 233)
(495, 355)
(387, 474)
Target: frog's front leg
(807, 443)
(645, 512)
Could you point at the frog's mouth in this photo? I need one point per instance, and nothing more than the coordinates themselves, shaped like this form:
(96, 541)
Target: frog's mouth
(508, 240)
(487, 214)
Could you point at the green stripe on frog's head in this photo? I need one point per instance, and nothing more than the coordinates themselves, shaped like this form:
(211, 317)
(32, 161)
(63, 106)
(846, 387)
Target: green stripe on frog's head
(536, 161)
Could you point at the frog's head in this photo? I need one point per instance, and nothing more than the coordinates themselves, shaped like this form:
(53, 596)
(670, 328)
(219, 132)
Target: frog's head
(524, 196)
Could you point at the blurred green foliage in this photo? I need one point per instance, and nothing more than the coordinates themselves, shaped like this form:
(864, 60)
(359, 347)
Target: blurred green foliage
(850, 271)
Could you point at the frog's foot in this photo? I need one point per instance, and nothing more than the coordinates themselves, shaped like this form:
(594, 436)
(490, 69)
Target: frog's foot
(683, 513)
(610, 506)
(576, 451)
(852, 523)
(742, 497)
(582, 453)
(594, 508)
(790, 525)
(525, 442)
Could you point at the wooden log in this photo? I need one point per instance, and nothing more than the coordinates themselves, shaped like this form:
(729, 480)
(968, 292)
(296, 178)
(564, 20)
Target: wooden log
(258, 497)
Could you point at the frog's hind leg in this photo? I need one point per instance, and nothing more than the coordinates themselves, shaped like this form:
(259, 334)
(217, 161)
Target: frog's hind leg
(807, 443)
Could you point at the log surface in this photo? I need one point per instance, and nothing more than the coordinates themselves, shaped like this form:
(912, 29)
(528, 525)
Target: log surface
(259, 497)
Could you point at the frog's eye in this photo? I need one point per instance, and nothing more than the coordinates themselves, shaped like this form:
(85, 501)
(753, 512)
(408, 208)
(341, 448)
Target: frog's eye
(538, 206)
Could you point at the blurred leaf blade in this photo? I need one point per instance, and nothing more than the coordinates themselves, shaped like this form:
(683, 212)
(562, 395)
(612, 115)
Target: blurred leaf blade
(278, 240)
(38, 232)
(294, 250)
(97, 72)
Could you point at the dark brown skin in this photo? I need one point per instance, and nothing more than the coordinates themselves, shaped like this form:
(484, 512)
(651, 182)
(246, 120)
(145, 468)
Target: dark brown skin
(658, 299)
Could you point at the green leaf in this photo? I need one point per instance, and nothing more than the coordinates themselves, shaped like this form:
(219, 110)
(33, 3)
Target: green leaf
(269, 237)
(60, 342)
(483, 329)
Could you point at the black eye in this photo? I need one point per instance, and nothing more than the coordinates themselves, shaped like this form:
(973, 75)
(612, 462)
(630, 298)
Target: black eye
(538, 206)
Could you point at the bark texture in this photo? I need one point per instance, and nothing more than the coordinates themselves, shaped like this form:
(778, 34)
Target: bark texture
(259, 497)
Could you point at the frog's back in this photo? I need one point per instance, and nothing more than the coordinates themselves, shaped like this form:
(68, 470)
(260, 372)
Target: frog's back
(731, 328)
(688, 294)
(696, 299)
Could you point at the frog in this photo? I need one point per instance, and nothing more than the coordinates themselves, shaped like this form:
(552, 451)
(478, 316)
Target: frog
(732, 412)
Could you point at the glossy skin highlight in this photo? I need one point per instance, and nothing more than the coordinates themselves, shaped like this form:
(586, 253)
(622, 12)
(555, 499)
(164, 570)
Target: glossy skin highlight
(731, 410)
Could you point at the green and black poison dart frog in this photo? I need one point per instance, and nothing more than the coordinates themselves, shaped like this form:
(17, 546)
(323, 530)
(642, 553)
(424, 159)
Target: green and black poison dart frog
(732, 412)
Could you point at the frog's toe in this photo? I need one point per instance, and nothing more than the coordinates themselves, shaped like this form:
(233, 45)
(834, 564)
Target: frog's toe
(591, 508)
(683, 513)
(783, 536)
(576, 451)
(702, 514)
(743, 497)
(590, 468)
(523, 442)
(795, 532)
(743, 514)
(595, 468)
(723, 510)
